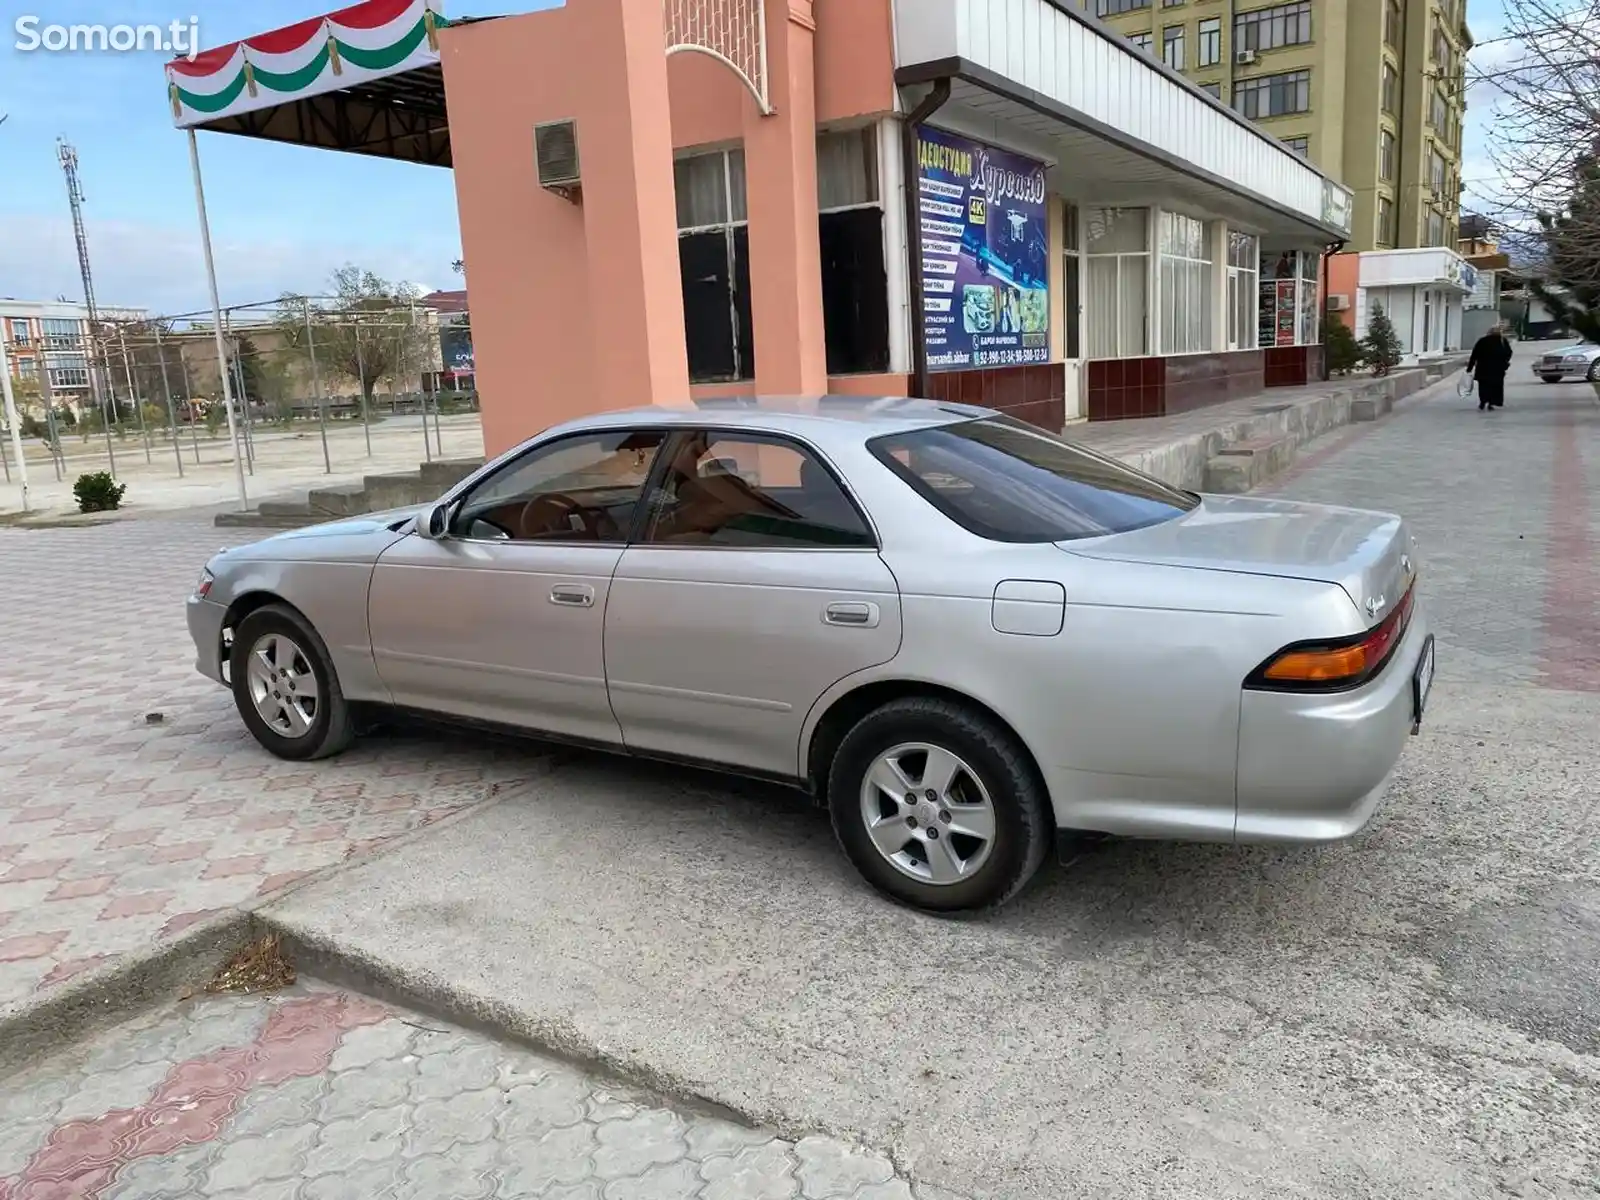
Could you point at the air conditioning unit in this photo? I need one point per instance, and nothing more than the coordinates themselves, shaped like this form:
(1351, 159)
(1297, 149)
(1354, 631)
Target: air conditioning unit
(555, 154)
(1338, 303)
(1244, 58)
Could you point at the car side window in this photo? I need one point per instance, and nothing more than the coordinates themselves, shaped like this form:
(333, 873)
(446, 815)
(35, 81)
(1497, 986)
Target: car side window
(580, 489)
(753, 492)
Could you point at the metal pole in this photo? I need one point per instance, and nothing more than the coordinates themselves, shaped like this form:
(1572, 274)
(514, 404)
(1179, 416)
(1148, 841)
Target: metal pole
(135, 396)
(188, 405)
(316, 384)
(361, 380)
(216, 316)
(101, 379)
(172, 413)
(14, 422)
(243, 396)
(57, 457)
(244, 408)
(422, 389)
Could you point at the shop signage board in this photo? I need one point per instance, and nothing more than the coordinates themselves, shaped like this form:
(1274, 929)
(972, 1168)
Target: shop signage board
(984, 240)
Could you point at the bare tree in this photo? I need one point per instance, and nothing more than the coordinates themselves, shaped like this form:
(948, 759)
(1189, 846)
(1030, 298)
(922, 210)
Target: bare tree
(1540, 77)
(367, 330)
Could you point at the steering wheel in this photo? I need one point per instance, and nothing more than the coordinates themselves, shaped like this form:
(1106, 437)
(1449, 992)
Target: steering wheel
(565, 509)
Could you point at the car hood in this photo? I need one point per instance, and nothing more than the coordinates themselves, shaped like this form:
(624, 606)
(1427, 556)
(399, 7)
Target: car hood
(1370, 555)
(347, 539)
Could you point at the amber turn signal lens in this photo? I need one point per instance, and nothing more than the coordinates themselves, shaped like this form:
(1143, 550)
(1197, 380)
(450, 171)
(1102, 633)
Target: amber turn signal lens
(1319, 666)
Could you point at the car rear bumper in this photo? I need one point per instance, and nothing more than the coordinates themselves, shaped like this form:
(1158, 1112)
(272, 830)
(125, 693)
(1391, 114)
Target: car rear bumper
(1313, 768)
(205, 627)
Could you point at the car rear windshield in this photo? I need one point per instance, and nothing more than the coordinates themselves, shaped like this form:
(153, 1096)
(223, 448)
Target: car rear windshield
(1010, 482)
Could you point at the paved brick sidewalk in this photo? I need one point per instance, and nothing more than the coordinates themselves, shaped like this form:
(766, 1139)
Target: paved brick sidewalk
(114, 833)
(317, 1094)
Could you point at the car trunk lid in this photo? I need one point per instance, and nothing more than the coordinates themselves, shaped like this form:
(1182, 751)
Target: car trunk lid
(1370, 555)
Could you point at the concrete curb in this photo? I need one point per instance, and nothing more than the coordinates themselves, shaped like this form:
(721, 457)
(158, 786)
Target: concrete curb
(36, 1028)
(103, 997)
(324, 958)
(1182, 461)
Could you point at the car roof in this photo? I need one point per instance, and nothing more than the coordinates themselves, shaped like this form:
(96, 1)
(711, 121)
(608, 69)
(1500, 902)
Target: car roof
(854, 417)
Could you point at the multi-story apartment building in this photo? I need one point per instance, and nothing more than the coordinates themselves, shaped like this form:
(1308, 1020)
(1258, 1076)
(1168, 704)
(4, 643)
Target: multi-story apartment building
(1372, 91)
(47, 346)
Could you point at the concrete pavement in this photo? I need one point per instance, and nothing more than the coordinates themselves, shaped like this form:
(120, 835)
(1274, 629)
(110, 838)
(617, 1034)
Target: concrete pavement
(1409, 1014)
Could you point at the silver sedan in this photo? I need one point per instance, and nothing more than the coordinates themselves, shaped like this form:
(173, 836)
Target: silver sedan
(1578, 361)
(961, 634)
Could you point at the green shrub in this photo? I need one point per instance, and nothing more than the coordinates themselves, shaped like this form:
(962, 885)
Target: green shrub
(97, 491)
(1339, 346)
(1380, 349)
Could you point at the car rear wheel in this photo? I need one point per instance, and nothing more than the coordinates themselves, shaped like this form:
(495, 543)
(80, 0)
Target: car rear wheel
(938, 806)
(285, 687)
(1551, 378)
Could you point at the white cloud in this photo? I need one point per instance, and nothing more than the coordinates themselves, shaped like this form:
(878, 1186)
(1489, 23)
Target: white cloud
(162, 268)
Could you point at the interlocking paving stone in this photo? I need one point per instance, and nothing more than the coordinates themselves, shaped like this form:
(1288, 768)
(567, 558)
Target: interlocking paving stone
(116, 834)
(310, 1094)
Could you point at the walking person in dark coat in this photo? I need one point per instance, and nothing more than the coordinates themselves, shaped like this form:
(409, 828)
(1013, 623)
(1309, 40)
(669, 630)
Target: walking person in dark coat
(1491, 359)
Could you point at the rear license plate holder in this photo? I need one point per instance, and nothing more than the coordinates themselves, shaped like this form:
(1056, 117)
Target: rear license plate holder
(1422, 683)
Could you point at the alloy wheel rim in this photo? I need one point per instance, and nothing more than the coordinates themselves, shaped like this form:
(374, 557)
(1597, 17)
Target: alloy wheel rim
(928, 814)
(283, 687)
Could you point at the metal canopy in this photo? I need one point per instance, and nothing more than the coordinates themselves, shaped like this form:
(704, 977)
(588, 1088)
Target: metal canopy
(365, 80)
(399, 116)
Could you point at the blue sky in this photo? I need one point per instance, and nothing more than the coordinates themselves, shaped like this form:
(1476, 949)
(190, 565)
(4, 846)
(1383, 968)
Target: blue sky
(283, 217)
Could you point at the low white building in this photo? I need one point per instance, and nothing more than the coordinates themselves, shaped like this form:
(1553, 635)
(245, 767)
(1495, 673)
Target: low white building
(1422, 290)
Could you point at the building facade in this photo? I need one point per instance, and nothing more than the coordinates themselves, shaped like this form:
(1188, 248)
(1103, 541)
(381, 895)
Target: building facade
(47, 347)
(1424, 292)
(1372, 91)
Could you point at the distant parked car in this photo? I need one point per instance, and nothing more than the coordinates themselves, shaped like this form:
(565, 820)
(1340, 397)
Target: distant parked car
(959, 632)
(1578, 361)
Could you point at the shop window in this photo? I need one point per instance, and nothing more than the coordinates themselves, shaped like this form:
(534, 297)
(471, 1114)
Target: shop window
(1270, 28)
(1172, 46)
(1117, 245)
(1210, 48)
(1310, 283)
(855, 283)
(1184, 278)
(1244, 254)
(1273, 95)
(714, 266)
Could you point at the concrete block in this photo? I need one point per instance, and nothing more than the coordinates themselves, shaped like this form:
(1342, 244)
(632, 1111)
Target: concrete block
(342, 500)
(443, 474)
(1376, 399)
(394, 491)
(1241, 466)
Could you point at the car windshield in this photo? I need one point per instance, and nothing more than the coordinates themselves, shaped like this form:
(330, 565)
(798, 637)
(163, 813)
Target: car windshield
(1010, 482)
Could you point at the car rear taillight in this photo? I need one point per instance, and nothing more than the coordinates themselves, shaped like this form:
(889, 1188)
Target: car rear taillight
(1333, 666)
(203, 588)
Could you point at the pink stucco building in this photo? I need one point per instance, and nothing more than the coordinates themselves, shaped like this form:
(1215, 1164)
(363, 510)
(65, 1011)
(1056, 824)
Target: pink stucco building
(1001, 202)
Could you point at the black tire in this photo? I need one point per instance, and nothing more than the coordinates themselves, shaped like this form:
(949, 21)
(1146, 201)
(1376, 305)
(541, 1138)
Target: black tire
(1023, 817)
(1551, 378)
(331, 728)
(1593, 375)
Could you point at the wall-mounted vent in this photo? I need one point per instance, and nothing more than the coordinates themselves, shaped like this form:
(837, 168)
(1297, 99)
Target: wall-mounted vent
(555, 152)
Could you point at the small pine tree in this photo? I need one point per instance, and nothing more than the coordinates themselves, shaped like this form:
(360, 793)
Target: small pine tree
(1341, 351)
(1380, 349)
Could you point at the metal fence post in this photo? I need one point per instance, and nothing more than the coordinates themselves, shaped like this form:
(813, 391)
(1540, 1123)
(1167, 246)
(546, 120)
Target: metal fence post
(316, 383)
(361, 382)
(172, 413)
(133, 394)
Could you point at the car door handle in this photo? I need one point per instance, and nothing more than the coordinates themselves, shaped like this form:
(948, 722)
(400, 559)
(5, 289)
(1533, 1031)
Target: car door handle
(862, 616)
(573, 595)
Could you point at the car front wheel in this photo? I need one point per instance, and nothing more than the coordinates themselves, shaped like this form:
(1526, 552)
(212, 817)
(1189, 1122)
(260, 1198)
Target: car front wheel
(285, 686)
(938, 806)
(1593, 375)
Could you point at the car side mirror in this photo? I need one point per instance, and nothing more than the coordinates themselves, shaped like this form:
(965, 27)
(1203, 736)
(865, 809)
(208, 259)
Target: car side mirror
(434, 522)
